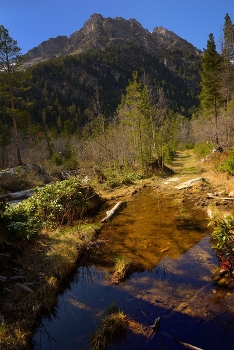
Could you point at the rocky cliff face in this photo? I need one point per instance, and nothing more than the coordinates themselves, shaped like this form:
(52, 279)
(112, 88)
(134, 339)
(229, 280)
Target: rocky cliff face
(99, 32)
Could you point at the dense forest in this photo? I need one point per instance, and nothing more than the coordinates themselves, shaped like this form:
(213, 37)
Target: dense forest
(117, 105)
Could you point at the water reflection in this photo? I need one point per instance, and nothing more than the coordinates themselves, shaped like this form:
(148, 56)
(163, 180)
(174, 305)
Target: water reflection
(174, 284)
(150, 227)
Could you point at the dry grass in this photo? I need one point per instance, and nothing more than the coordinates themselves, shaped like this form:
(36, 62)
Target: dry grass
(122, 264)
(44, 263)
(112, 329)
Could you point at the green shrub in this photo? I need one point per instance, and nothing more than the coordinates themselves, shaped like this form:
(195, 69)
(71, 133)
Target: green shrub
(168, 154)
(3, 206)
(56, 159)
(116, 177)
(55, 204)
(203, 149)
(223, 232)
(227, 165)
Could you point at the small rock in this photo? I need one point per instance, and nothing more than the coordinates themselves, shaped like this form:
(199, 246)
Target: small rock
(165, 250)
(3, 278)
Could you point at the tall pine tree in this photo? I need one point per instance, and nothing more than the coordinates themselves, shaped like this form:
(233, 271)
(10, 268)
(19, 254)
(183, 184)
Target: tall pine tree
(228, 33)
(211, 97)
(11, 80)
(134, 113)
(228, 57)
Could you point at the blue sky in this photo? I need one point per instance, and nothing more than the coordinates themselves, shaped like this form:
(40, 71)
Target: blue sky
(31, 22)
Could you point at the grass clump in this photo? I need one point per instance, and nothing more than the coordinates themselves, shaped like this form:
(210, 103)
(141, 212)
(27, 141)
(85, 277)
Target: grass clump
(15, 338)
(112, 329)
(55, 204)
(122, 264)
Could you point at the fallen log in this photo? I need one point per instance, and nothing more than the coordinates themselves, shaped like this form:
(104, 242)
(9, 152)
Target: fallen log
(186, 345)
(213, 196)
(115, 210)
(22, 286)
(17, 195)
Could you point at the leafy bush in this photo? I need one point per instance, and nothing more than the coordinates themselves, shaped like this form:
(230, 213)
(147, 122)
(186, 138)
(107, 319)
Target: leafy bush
(227, 165)
(169, 154)
(223, 233)
(3, 207)
(116, 177)
(203, 149)
(55, 204)
(56, 159)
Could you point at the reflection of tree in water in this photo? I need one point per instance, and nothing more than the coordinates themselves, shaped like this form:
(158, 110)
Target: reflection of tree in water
(42, 331)
(84, 276)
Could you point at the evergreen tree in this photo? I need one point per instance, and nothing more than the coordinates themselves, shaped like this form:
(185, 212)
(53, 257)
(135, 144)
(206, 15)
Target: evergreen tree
(228, 56)
(211, 97)
(134, 112)
(228, 45)
(11, 79)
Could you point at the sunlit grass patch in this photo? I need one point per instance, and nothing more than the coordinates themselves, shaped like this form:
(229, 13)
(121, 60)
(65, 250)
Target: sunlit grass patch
(122, 264)
(112, 329)
(13, 338)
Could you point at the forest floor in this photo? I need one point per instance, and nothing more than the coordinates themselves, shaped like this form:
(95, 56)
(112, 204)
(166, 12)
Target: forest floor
(31, 272)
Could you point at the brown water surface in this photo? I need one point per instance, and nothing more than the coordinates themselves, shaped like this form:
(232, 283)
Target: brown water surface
(152, 226)
(168, 243)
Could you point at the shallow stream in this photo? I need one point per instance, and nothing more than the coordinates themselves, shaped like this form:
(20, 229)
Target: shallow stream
(171, 276)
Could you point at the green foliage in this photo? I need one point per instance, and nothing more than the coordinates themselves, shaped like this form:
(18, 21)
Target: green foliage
(56, 159)
(223, 233)
(116, 177)
(211, 95)
(69, 104)
(3, 206)
(169, 153)
(203, 149)
(55, 204)
(227, 165)
(134, 114)
(12, 79)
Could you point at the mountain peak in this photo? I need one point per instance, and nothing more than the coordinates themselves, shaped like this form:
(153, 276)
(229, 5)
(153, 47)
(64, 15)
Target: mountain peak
(100, 32)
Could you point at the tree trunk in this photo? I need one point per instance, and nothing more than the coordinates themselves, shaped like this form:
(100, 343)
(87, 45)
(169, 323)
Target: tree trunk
(16, 135)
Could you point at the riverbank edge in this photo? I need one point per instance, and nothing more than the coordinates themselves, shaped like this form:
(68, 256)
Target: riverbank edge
(17, 331)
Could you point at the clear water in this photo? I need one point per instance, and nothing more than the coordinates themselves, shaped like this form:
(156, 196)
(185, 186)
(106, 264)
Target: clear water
(172, 264)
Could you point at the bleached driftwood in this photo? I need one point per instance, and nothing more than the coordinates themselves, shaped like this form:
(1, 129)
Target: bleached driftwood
(186, 345)
(116, 209)
(213, 196)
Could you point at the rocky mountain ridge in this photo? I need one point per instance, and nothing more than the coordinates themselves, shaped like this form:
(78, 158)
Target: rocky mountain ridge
(100, 32)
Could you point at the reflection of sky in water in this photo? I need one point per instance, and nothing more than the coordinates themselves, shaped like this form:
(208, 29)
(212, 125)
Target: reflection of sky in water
(176, 287)
(179, 291)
